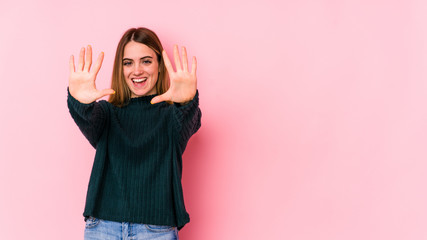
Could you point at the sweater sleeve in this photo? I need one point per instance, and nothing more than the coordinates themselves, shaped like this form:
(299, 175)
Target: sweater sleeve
(187, 120)
(90, 118)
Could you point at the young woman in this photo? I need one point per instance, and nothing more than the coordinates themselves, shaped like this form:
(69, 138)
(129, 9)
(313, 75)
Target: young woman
(140, 134)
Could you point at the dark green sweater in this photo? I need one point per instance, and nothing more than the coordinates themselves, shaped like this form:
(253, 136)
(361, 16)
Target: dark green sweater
(136, 174)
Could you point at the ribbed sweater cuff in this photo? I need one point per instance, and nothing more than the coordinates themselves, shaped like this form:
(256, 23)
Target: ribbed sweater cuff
(77, 106)
(181, 111)
(186, 116)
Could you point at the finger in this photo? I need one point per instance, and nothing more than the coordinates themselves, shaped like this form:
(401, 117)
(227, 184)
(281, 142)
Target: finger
(161, 98)
(98, 63)
(81, 60)
(71, 64)
(88, 58)
(184, 59)
(105, 92)
(194, 66)
(177, 60)
(168, 64)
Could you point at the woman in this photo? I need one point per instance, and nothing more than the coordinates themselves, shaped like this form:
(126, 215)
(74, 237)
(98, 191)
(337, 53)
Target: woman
(140, 135)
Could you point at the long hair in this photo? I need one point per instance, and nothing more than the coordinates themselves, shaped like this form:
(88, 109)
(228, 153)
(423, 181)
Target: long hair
(118, 82)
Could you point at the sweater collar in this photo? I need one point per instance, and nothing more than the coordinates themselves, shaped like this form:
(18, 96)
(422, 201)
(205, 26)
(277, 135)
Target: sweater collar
(142, 99)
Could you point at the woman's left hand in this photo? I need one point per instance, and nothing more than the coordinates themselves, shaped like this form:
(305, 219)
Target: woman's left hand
(183, 84)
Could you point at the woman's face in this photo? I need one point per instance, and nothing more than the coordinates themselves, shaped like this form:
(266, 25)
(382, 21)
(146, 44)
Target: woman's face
(140, 68)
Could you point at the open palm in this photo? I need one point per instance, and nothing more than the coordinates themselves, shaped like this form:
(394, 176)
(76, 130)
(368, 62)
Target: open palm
(82, 80)
(183, 83)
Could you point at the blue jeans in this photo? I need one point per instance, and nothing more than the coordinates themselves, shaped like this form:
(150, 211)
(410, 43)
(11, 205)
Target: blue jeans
(98, 229)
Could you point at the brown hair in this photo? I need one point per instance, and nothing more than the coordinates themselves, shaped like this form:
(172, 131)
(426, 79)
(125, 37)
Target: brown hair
(118, 82)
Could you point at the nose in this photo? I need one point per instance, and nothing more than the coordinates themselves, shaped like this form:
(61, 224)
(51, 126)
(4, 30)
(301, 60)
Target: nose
(139, 69)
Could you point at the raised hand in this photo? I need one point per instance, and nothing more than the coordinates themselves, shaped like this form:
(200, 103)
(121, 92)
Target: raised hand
(183, 84)
(82, 80)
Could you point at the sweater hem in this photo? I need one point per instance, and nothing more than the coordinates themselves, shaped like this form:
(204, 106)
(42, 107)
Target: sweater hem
(140, 220)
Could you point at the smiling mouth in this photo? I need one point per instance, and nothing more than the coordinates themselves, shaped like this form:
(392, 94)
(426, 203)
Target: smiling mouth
(139, 80)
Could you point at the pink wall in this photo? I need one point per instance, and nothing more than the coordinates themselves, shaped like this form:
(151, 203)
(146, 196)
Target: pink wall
(314, 115)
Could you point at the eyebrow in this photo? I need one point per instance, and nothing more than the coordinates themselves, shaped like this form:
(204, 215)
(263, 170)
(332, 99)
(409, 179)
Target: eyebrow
(124, 59)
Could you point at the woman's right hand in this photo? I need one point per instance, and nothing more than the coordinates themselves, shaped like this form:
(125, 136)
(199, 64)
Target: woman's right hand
(82, 80)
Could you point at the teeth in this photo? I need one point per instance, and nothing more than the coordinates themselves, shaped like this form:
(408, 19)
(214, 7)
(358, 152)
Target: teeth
(138, 80)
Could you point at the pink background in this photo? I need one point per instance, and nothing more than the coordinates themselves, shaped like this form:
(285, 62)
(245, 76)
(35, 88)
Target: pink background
(314, 115)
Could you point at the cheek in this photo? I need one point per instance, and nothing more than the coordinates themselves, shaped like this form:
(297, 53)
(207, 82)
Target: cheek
(154, 69)
(126, 72)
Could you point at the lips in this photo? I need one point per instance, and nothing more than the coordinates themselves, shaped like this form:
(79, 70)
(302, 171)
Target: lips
(139, 80)
(141, 84)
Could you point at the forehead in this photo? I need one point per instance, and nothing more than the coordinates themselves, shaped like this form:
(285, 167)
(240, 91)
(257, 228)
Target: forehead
(137, 50)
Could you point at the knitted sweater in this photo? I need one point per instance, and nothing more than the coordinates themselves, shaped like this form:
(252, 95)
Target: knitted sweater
(136, 174)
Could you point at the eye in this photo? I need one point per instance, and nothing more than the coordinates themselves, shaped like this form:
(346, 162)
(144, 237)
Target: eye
(127, 63)
(146, 61)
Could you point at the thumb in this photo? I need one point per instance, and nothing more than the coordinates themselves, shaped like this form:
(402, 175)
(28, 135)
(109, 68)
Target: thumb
(105, 92)
(160, 98)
